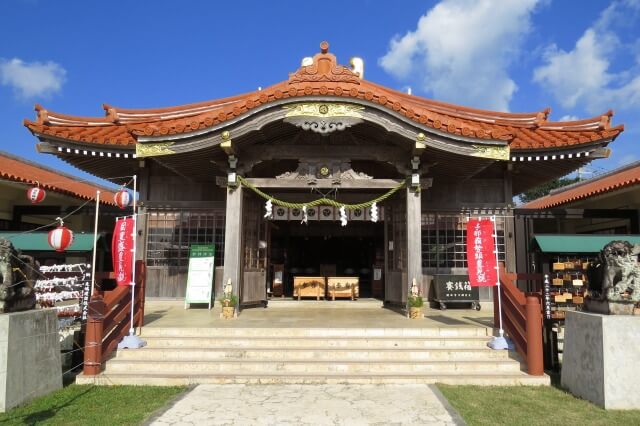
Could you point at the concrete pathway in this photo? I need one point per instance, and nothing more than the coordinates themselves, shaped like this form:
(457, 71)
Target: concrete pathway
(310, 405)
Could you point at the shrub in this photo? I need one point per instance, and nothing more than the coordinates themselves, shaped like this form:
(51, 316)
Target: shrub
(416, 302)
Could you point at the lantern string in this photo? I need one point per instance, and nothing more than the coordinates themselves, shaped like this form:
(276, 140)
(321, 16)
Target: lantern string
(78, 180)
(48, 225)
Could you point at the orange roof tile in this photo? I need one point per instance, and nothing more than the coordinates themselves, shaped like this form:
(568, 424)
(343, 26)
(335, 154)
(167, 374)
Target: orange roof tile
(615, 180)
(20, 170)
(523, 131)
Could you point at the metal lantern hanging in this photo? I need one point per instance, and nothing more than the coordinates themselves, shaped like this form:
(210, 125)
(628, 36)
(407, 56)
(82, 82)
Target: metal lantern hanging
(36, 194)
(122, 198)
(60, 238)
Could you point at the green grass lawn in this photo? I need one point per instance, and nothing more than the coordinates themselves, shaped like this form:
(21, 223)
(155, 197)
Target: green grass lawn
(530, 405)
(92, 405)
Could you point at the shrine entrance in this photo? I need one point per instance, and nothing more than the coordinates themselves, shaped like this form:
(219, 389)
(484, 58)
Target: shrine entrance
(327, 250)
(323, 253)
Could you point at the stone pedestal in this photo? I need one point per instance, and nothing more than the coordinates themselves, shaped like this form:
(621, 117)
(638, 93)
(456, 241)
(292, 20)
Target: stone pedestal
(29, 356)
(601, 360)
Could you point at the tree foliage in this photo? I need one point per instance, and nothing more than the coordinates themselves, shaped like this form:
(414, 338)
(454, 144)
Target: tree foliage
(546, 188)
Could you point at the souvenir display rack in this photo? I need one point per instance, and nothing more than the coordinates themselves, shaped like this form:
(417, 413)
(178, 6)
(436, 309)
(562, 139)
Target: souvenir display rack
(568, 282)
(566, 290)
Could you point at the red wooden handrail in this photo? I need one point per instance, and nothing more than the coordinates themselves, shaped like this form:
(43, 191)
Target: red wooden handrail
(109, 320)
(522, 320)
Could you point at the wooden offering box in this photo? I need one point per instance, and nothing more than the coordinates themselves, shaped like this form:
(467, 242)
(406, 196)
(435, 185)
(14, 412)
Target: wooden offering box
(308, 287)
(343, 287)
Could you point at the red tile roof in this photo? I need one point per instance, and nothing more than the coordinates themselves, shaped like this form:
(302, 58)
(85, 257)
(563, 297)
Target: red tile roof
(613, 181)
(20, 170)
(523, 131)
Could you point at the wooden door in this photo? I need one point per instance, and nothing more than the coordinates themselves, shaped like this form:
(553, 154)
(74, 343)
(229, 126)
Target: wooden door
(396, 281)
(255, 241)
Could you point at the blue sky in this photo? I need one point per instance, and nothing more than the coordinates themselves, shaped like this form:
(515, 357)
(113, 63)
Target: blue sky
(579, 58)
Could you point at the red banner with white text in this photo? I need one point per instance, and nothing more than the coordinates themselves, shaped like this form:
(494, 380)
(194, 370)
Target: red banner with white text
(122, 250)
(481, 257)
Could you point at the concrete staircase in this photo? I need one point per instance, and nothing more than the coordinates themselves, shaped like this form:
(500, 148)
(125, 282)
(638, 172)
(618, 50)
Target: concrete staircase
(182, 356)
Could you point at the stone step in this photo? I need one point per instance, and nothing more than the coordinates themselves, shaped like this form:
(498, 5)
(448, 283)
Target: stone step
(311, 353)
(196, 367)
(319, 342)
(478, 379)
(314, 332)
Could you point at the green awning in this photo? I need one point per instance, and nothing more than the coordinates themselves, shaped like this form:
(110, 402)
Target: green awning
(37, 241)
(592, 243)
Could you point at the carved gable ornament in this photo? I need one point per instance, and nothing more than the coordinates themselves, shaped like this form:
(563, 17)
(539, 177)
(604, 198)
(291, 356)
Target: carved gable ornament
(153, 149)
(323, 117)
(492, 152)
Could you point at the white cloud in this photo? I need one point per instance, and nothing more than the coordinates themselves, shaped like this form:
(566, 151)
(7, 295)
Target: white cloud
(583, 76)
(31, 79)
(569, 118)
(461, 50)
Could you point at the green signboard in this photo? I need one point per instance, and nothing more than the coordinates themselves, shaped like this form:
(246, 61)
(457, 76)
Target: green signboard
(200, 276)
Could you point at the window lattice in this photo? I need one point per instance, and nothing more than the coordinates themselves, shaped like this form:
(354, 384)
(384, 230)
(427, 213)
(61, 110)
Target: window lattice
(171, 233)
(444, 240)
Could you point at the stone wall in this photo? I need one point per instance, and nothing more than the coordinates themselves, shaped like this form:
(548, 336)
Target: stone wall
(29, 356)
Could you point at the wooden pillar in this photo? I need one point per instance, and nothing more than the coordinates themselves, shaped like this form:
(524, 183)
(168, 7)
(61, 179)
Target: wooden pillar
(414, 240)
(143, 197)
(233, 239)
(509, 223)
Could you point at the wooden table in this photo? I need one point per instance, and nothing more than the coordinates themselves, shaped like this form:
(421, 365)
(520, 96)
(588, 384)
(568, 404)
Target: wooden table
(343, 287)
(308, 287)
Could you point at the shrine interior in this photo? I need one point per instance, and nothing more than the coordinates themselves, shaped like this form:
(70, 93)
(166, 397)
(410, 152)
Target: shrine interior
(325, 249)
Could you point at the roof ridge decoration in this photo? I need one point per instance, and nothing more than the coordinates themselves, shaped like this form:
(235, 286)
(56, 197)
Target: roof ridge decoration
(324, 68)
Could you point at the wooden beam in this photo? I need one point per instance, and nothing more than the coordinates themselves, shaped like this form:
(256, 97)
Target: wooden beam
(324, 183)
(349, 152)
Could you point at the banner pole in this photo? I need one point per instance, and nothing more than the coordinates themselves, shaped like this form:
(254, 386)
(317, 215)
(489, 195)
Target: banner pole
(132, 341)
(133, 266)
(499, 342)
(495, 251)
(95, 245)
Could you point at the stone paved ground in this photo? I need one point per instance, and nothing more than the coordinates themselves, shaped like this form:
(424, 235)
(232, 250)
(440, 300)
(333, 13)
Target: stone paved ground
(310, 405)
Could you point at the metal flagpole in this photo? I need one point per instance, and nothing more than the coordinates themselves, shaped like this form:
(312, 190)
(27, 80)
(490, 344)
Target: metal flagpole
(132, 341)
(95, 244)
(133, 267)
(498, 342)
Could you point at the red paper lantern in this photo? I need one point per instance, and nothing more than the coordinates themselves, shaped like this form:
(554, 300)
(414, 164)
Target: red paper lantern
(36, 194)
(60, 238)
(122, 198)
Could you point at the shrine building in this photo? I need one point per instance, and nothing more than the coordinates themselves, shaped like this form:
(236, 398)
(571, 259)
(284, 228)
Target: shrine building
(243, 172)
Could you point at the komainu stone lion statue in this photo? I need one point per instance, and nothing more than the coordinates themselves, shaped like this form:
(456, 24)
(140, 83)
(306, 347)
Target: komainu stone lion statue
(17, 278)
(621, 275)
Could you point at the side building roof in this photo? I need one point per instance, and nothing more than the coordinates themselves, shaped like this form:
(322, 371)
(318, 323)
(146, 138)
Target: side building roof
(615, 180)
(18, 169)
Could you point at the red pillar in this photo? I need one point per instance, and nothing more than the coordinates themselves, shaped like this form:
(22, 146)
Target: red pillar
(535, 360)
(93, 337)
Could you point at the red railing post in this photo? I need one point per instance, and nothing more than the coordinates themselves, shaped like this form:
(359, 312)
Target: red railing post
(93, 338)
(141, 279)
(535, 360)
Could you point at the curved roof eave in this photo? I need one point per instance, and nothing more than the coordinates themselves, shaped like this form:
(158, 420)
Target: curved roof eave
(326, 79)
